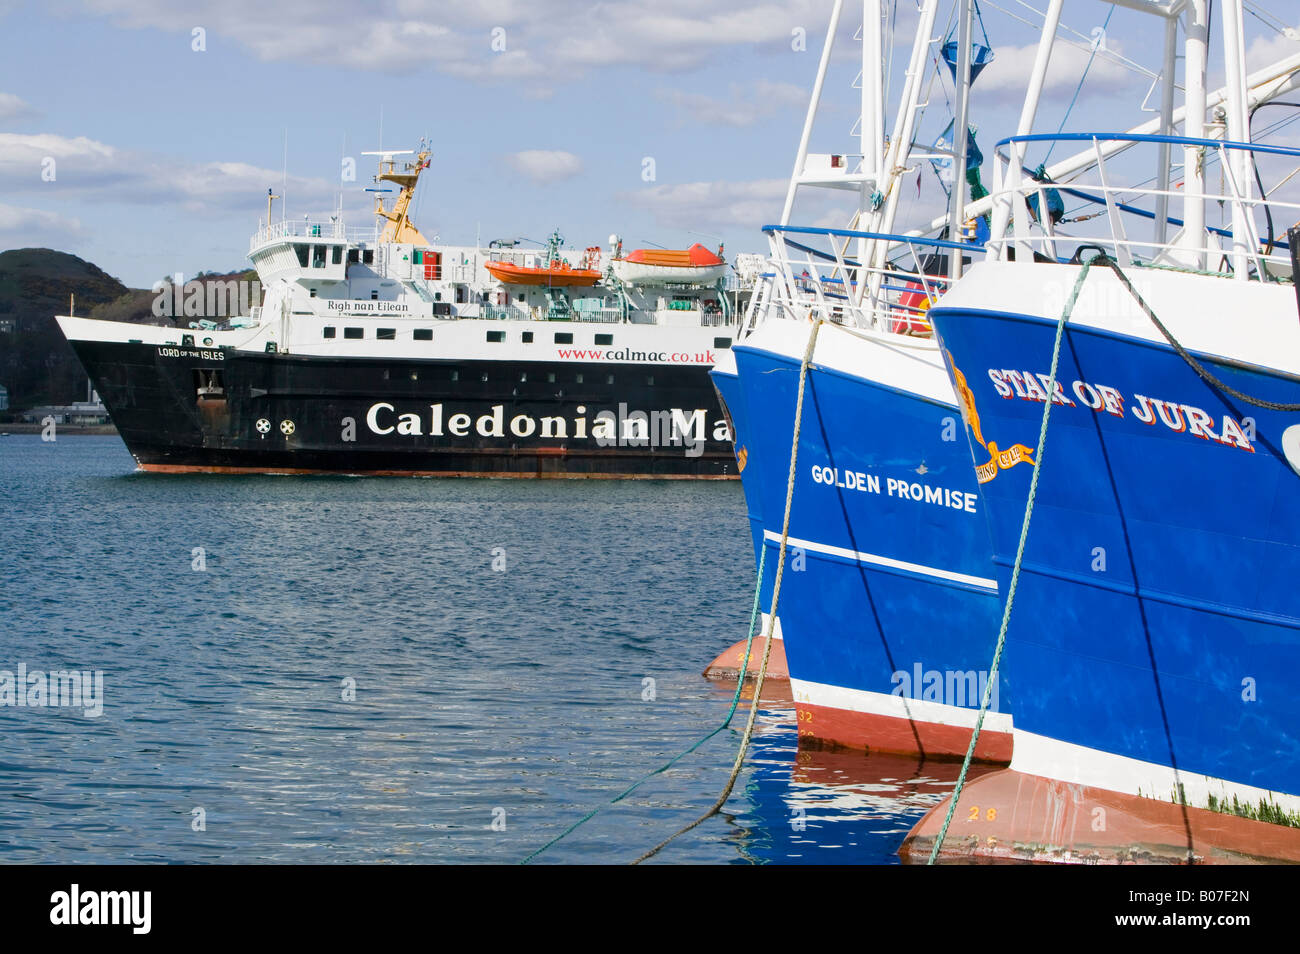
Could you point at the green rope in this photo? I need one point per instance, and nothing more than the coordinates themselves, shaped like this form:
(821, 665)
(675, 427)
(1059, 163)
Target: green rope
(735, 701)
(1015, 568)
(772, 617)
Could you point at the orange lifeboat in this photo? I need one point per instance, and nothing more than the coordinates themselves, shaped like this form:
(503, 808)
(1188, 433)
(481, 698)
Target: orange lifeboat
(558, 272)
(695, 265)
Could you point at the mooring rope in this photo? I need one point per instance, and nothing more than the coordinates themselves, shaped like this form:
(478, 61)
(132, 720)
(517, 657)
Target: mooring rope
(771, 622)
(1015, 567)
(1182, 352)
(735, 701)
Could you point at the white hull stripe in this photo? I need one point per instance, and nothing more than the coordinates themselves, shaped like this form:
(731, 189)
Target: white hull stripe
(1051, 758)
(896, 706)
(763, 627)
(883, 561)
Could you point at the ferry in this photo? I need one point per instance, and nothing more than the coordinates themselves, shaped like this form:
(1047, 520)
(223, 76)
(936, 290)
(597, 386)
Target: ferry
(378, 351)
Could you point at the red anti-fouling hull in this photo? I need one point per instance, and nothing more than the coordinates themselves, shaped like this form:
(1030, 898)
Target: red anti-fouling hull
(1012, 816)
(881, 733)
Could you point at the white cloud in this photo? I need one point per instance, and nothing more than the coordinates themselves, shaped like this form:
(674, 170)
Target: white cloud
(84, 167)
(1004, 79)
(12, 108)
(545, 165)
(26, 228)
(747, 104)
(1264, 50)
(544, 39)
(706, 205)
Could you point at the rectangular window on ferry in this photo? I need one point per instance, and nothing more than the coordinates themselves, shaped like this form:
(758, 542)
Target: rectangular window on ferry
(354, 333)
(329, 331)
(423, 334)
(386, 334)
(604, 339)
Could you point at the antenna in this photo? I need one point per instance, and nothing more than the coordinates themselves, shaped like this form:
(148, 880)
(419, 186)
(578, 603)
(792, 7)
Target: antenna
(284, 182)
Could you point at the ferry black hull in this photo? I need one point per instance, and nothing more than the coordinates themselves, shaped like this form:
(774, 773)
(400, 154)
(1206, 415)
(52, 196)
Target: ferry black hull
(181, 409)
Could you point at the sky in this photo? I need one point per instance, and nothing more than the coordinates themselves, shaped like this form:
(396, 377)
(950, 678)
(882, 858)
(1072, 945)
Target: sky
(142, 135)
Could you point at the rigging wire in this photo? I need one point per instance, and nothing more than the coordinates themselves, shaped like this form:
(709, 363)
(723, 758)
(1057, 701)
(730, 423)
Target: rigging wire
(1092, 55)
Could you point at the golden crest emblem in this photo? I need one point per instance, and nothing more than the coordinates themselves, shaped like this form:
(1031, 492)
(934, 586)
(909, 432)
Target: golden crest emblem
(998, 459)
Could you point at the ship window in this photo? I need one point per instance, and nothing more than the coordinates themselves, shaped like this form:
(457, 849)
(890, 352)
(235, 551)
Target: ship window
(650, 379)
(374, 294)
(354, 333)
(368, 257)
(523, 376)
(455, 375)
(318, 256)
(550, 377)
(337, 257)
(311, 293)
(386, 334)
(722, 342)
(564, 337)
(329, 331)
(483, 376)
(423, 334)
(528, 337)
(610, 379)
(604, 339)
(354, 255)
(521, 296)
(302, 254)
(496, 336)
(577, 379)
(437, 296)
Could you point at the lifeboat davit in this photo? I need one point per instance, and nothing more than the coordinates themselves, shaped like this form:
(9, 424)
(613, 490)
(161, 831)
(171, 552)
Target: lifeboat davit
(654, 266)
(557, 273)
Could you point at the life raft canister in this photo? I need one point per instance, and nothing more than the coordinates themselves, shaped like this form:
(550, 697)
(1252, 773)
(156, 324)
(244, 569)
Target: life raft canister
(915, 303)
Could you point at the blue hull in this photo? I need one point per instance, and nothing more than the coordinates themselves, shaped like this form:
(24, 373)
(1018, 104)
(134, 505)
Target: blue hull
(1158, 612)
(883, 595)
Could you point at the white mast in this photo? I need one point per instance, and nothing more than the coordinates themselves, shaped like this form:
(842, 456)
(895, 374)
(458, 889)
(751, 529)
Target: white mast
(872, 123)
(904, 125)
(1194, 62)
(1237, 161)
(1168, 84)
(957, 206)
(802, 155)
(1028, 113)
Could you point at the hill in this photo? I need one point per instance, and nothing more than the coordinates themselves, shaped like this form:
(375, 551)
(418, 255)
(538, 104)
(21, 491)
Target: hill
(37, 364)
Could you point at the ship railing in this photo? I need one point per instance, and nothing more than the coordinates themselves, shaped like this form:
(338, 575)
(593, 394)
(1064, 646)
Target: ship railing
(873, 280)
(610, 315)
(503, 313)
(1107, 204)
(334, 231)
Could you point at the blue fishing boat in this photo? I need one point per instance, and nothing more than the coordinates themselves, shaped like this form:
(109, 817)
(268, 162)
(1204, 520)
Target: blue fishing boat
(888, 603)
(1153, 639)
